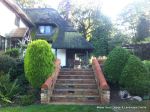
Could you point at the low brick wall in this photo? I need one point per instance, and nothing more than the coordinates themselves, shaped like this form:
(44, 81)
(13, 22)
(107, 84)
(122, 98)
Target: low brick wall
(103, 87)
(47, 87)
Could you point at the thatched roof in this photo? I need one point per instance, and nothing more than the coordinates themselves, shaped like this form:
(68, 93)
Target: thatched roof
(18, 11)
(72, 40)
(48, 16)
(18, 33)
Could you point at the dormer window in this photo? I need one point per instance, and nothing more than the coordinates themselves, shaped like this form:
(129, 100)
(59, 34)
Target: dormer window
(45, 29)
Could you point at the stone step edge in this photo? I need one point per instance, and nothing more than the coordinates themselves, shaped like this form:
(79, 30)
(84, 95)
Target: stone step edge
(77, 79)
(74, 103)
(75, 96)
(76, 84)
(76, 90)
(75, 75)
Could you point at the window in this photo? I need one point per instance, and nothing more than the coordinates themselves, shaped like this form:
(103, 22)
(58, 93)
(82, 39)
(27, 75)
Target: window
(45, 29)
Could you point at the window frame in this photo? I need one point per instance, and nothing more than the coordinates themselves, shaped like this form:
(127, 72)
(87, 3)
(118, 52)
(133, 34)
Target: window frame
(45, 29)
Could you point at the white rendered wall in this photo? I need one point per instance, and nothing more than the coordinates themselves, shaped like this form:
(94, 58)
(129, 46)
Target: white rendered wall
(22, 25)
(7, 20)
(61, 54)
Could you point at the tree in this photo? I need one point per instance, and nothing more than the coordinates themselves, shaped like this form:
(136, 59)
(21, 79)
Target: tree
(83, 18)
(143, 28)
(30, 3)
(38, 62)
(100, 36)
(128, 19)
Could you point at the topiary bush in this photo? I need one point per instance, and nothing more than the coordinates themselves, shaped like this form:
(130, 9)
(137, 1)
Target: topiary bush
(115, 63)
(38, 62)
(6, 63)
(147, 64)
(14, 52)
(134, 77)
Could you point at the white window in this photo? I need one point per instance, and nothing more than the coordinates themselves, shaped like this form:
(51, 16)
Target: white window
(45, 29)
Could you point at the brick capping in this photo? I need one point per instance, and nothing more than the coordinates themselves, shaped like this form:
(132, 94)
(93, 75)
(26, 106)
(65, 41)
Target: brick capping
(101, 82)
(47, 87)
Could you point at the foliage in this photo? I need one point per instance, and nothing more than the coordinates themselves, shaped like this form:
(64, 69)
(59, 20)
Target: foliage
(8, 89)
(101, 36)
(115, 63)
(17, 72)
(147, 64)
(117, 39)
(135, 77)
(143, 30)
(130, 15)
(83, 18)
(14, 52)
(38, 62)
(6, 63)
(26, 100)
(29, 3)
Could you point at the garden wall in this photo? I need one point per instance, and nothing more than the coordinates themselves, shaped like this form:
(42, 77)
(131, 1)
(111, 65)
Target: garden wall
(140, 50)
(103, 87)
(47, 87)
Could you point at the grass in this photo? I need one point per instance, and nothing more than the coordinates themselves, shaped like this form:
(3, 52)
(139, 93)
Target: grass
(121, 107)
(54, 108)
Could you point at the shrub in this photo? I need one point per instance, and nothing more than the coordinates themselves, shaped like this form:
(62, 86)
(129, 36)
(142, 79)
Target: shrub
(147, 64)
(8, 89)
(115, 63)
(17, 72)
(135, 77)
(26, 100)
(14, 52)
(6, 63)
(38, 62)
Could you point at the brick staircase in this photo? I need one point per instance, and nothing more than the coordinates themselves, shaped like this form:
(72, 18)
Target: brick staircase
(75, 87)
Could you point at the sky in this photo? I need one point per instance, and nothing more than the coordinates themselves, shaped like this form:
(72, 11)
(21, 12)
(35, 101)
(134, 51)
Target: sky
(110, 8)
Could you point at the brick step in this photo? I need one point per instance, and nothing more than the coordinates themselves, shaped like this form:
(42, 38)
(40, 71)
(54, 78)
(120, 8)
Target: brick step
(75, 98)
(75, 91)
(74, 81)
(75, 86)
(78, 70)
(76, 77)
(76, 73)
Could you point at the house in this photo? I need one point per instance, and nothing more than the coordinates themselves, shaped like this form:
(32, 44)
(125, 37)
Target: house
(14, 24)
(42, 23)
(68, 44)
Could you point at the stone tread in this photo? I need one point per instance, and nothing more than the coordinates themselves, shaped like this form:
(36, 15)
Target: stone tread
(74, 103)
(76, 96)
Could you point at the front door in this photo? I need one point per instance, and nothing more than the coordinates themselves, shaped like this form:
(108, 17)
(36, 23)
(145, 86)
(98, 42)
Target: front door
(70, 57)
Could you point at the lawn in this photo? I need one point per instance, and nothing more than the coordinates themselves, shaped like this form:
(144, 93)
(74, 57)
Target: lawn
(122, 107)
(55, 108)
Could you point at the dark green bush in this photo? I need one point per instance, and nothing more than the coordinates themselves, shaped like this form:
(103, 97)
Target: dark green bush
(147, 64)
(14, 52)
(17, 72)
(26, 100)
(6, 63)
(135, 77)
(115, 63)
(8, 89)
(38, 62)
